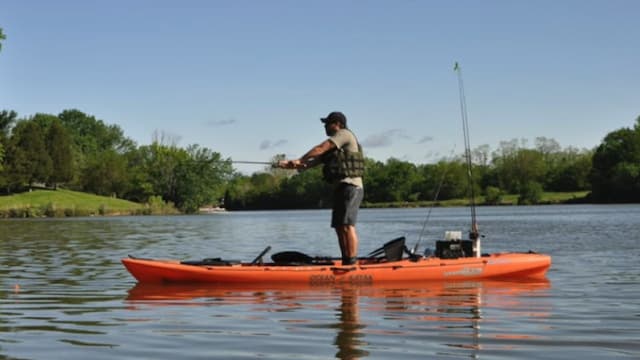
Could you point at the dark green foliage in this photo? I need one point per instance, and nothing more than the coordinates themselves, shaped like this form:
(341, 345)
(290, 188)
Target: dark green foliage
(493, 195)
(189, 178)
(200, 179)
(106, 175)
(615, 174)
(7, 119)
(2, 37)
(516, 166)
(91, 135)
(569, 171)
(306, 190)
(81, 152)
(59, 147)
(28, 162)
(530, 193)
(90, 139)
(395, 183)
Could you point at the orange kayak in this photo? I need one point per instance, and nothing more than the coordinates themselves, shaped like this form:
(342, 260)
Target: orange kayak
(365, 271)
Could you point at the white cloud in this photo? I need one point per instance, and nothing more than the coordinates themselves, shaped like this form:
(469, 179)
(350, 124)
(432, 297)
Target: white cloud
(216, 123)
(267, 144)
(385, 138)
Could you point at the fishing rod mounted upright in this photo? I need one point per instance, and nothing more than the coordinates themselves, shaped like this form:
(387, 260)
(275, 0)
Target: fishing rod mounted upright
(474, 234)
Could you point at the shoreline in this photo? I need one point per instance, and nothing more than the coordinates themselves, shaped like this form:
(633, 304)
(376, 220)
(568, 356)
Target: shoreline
(50, 211)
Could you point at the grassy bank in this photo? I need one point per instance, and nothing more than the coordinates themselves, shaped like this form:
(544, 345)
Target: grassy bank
(548, 198)
(63, 203)
(66, 203)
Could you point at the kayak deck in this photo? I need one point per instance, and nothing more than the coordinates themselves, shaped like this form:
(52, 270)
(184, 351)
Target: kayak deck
(365, 271)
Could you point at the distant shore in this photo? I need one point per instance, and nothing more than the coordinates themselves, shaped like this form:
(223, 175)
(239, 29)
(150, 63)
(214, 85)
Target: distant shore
(66, 203)
(550, 198)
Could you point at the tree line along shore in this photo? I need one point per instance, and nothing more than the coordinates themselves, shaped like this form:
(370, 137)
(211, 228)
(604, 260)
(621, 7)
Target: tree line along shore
(74, 153)
(66, 203)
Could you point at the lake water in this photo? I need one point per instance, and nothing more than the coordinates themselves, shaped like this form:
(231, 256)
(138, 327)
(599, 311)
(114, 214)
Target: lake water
(64, 293)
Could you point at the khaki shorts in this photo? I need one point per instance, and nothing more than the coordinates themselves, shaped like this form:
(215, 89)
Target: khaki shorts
(346, 202)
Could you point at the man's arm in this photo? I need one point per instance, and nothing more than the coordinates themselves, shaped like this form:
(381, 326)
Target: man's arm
(310, 158)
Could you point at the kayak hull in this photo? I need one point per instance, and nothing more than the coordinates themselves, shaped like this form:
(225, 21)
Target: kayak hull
(493, 266)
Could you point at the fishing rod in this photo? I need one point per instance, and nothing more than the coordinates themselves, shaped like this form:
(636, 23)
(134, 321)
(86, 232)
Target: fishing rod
(473, 234)
(253, 162)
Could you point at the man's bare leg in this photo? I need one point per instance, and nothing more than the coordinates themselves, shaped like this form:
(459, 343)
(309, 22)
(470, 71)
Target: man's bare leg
(348, 240)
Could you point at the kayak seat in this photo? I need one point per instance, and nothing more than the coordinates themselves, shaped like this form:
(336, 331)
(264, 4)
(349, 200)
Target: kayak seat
(391, 251)
(210, 261)
(291, 257)
(296, 258)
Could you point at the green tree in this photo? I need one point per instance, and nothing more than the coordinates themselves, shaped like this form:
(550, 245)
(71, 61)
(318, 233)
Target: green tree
(568, 170)
(530, 193)
(493, 195)
(28, 160)
(140, 187)
(615, 176)
(235, 194)
(374, 181)
(456, 180)
(480, 155)
(161, 169)
(516, 166)
(200, 179)
(106, 174)
(91, 138)
(189, 178)
(393, 181)
(251, 192)
(447, 180)
(91, 135)
(306, 190)
(547, 148)
(7, 119)
(58, 145)
(401, 177)
(2, 37)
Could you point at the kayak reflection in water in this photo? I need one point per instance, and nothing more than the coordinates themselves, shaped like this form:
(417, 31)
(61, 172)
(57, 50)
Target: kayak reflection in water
(365, 320)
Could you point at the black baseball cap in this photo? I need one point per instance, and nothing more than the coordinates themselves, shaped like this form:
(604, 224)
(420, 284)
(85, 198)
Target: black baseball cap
(335, 116)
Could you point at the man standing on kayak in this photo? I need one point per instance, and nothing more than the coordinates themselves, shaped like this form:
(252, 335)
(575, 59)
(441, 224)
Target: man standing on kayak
(343, 161)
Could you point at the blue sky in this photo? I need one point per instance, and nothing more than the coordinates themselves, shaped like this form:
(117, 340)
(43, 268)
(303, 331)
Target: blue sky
(250, 79)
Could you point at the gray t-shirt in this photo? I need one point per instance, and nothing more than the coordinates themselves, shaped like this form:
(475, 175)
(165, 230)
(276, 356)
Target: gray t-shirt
(344, 139)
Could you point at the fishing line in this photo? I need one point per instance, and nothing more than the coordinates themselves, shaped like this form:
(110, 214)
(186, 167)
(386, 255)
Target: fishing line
(467, 146)
(474, 234)
(253, 162)
(435, 198)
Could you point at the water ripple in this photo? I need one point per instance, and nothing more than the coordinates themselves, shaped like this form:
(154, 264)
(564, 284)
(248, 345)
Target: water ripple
(64, 291)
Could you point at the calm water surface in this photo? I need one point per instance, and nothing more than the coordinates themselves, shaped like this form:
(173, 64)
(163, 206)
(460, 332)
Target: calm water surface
(64, 293)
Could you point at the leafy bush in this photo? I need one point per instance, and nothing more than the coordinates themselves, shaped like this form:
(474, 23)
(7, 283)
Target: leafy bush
(493, 195)
(157, 206)
(530, 193)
